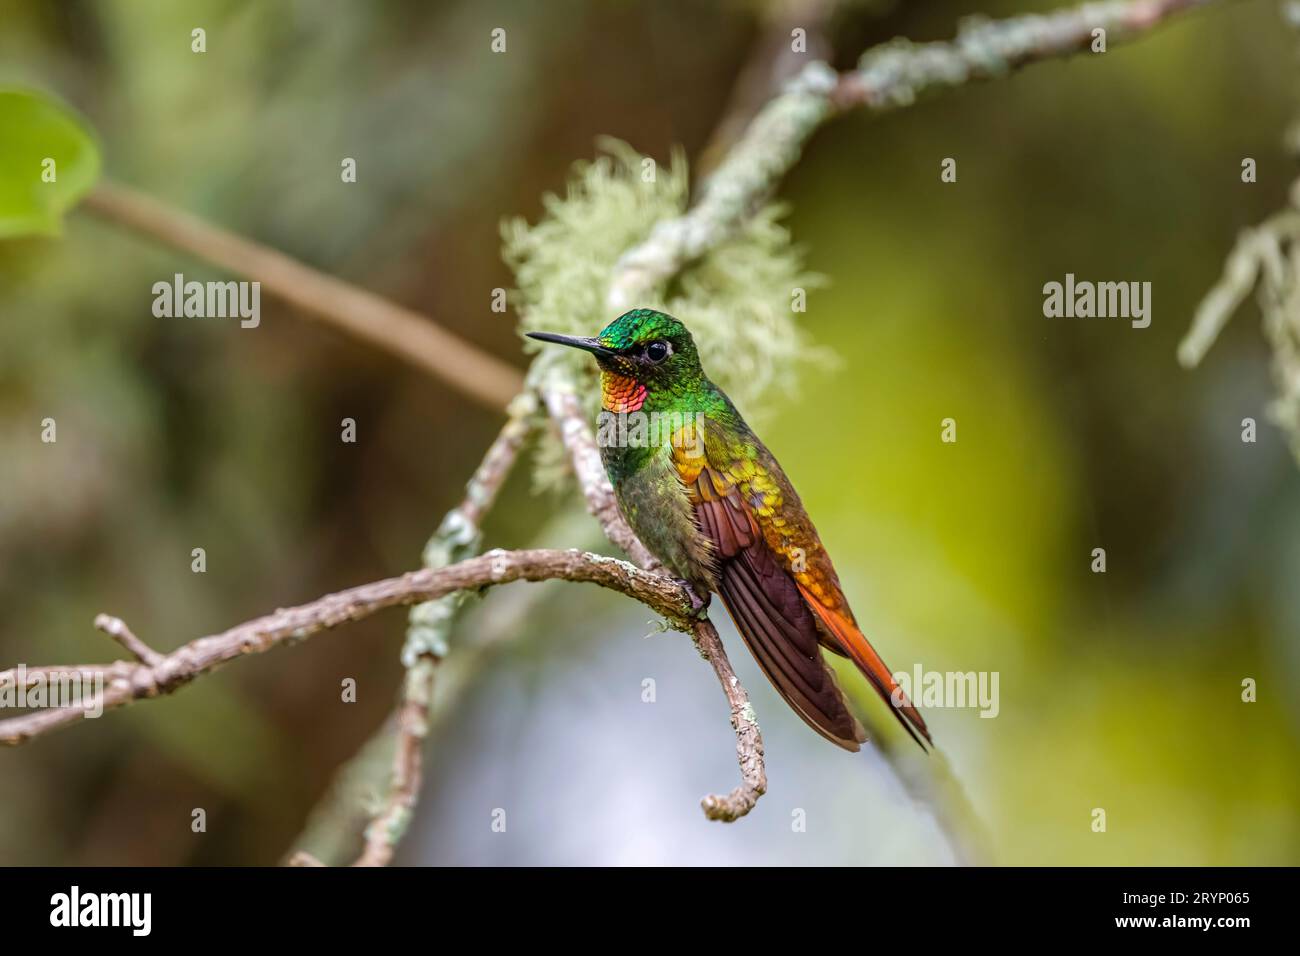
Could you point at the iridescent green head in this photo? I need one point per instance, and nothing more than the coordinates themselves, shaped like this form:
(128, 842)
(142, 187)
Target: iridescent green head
(650, 347)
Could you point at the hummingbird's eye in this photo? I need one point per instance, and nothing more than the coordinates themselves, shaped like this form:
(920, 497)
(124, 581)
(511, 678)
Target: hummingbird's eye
(656, 352)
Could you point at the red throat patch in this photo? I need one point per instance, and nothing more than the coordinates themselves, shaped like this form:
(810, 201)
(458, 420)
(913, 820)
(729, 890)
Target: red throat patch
(620, 394)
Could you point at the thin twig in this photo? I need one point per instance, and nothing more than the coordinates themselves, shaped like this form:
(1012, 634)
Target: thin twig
(24, 676)
(749, 740)
(403, 332)
(1257, 250)
(116, 628)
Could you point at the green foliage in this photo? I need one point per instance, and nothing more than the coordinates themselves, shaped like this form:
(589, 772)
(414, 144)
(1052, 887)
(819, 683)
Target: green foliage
(49, 161)
(737, 300)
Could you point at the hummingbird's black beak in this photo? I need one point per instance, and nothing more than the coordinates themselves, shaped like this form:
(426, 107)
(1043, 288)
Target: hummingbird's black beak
(593, 346)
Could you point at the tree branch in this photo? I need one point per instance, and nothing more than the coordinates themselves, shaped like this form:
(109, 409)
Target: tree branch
(403, 332)
(428, 635)
(1266, 261)
(411, 720)
(887, 77)
(895, 74)
(126, 681)
(772, 62)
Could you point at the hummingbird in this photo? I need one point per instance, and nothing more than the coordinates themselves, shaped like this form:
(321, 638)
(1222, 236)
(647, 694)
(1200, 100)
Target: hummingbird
(713, 505)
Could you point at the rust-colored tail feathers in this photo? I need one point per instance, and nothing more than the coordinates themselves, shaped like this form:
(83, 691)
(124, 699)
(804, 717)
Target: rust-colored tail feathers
(854, 645)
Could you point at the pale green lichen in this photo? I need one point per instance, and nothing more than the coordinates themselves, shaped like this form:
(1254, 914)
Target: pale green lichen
(429, 631)
(737, 299)
(657, 628)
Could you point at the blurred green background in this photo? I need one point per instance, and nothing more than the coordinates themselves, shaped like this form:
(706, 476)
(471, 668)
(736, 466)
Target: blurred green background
(1119, 690)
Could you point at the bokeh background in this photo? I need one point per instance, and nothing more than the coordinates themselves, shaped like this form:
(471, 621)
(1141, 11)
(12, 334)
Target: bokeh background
(1119, 690)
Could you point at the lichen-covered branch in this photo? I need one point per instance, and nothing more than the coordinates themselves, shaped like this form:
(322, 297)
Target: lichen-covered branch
(1259, 256)
(1265, 260)
(458, 537)
(895, 74)
(773, 61)
(887, 77)
(125, 681)
(411, 725)
(768, 149)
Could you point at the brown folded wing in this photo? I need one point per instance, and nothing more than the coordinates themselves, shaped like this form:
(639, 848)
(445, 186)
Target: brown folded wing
(770, 611)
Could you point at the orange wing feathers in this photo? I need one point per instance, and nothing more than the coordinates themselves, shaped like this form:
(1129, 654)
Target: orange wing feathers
(782, 591)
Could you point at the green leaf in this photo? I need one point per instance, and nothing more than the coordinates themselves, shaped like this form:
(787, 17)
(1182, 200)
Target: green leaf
(35, 128)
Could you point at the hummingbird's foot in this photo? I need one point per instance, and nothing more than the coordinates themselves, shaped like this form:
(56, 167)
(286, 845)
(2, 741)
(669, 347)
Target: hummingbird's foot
(699, 605)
